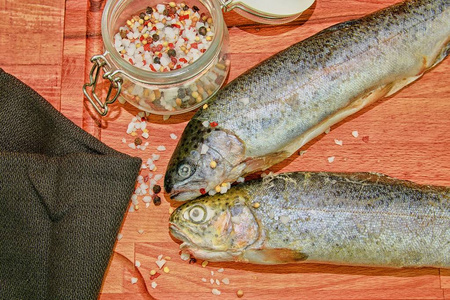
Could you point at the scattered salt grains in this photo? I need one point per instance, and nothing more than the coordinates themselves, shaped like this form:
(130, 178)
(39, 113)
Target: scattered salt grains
(204, 280)
(134, 280)
(147, 199)
(155, 157)
(161, 148)
(240, 179)
(158, 177)
(173, 136)
(119, 236)
(212, 273)
(245, 100)
(132, 145)
(217, 282)
(331, 159)
(327, 131)
(355, 133)
(124, 140)
(226, 281)
(166, 117)
(185, 256)
(154, 284)
(221, 270)
(141, 231)
(211, 281)
(302, 152)
(216, 292)
(160, 263)
(338, 142)
(284, 219)
(137, 264)
(204, 149)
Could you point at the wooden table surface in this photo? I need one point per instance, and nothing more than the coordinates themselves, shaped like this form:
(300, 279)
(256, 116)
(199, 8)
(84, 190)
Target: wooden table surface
(47, 44)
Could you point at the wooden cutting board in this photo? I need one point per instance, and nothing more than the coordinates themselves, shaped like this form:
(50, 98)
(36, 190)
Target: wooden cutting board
(48, 44)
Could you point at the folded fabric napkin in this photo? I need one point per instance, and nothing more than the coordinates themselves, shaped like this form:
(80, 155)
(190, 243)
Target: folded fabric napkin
(63, 196)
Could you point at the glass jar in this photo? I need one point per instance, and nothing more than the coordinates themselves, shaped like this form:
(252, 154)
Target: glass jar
(176, 91)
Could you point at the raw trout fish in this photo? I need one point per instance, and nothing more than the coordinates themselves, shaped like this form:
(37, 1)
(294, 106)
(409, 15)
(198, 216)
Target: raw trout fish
(265, 115)
(358, 219)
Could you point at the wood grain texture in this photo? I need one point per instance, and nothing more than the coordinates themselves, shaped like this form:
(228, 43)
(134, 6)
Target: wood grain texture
(48, 44)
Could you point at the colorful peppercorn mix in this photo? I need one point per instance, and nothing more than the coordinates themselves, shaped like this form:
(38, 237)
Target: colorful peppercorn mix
(165, 37)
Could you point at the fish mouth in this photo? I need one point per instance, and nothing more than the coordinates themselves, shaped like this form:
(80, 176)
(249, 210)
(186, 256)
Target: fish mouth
(176, 232)
(184, 195)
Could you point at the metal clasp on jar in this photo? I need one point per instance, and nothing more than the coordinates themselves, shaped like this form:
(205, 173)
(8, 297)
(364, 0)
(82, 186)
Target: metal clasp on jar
(100, 63)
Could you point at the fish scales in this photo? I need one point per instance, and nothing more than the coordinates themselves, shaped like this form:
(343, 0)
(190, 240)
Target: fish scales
(269, 112)
(358, 219)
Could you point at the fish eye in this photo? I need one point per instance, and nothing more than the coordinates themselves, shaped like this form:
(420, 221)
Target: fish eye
(197, 214)
(185, 171)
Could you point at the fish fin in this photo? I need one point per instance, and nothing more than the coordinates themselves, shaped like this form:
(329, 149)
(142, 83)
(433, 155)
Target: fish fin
(399, 84)
(356, 105)
(272, 256)
(261, 163)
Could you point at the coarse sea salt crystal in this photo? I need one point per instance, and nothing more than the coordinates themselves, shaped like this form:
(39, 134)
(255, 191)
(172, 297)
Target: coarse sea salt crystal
(204, 149)
(240, 179)
(154, 284)
(124, 141)
(141, 231)
(173, 136)
(155, 156)
(216, 292)
(217, 282)
(338, 142)
(119, 236)
(132, 145)
(327, 131)
(284, 219)
(161, 148)
(221, 270)
(204, 280)
(331, 159)
(185, 255)
(147, 199)
(134, 280)
(160, 263)
(205, 123)
(137, 263)
(245, 100)
(355, 133)
(226, 281)
(211, 281)
(158, 177)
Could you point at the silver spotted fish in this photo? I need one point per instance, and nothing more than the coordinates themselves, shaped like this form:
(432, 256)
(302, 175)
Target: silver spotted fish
(266, 114)
(358, 219)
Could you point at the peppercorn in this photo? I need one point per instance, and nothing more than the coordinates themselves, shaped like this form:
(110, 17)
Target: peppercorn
(156, 60)
(195, 8)
(171, 53)
(156, 189)
(149, 10)
(202, 30)
(156, 200)
(123, 34)
(155, 37)
(137, 141)
(181, 93)
(142, 15)
(193, 260)
(172, 11)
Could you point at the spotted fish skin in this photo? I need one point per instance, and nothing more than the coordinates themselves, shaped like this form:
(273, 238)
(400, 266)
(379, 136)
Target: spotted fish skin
(357, 219)
(268, 113)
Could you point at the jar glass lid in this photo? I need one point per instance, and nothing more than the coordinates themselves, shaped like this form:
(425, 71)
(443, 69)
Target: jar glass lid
(266, 11)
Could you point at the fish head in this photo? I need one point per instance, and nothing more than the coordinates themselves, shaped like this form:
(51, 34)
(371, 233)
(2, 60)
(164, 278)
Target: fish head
(218, 227)
(204, 158)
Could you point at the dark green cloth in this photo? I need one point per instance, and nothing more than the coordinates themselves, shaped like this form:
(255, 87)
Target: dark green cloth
(63, 196)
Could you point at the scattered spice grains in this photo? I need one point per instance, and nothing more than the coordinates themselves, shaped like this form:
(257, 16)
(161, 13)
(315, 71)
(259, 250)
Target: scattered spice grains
(355, 133)
(331, 159)
(165, 37)
(240, 293)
